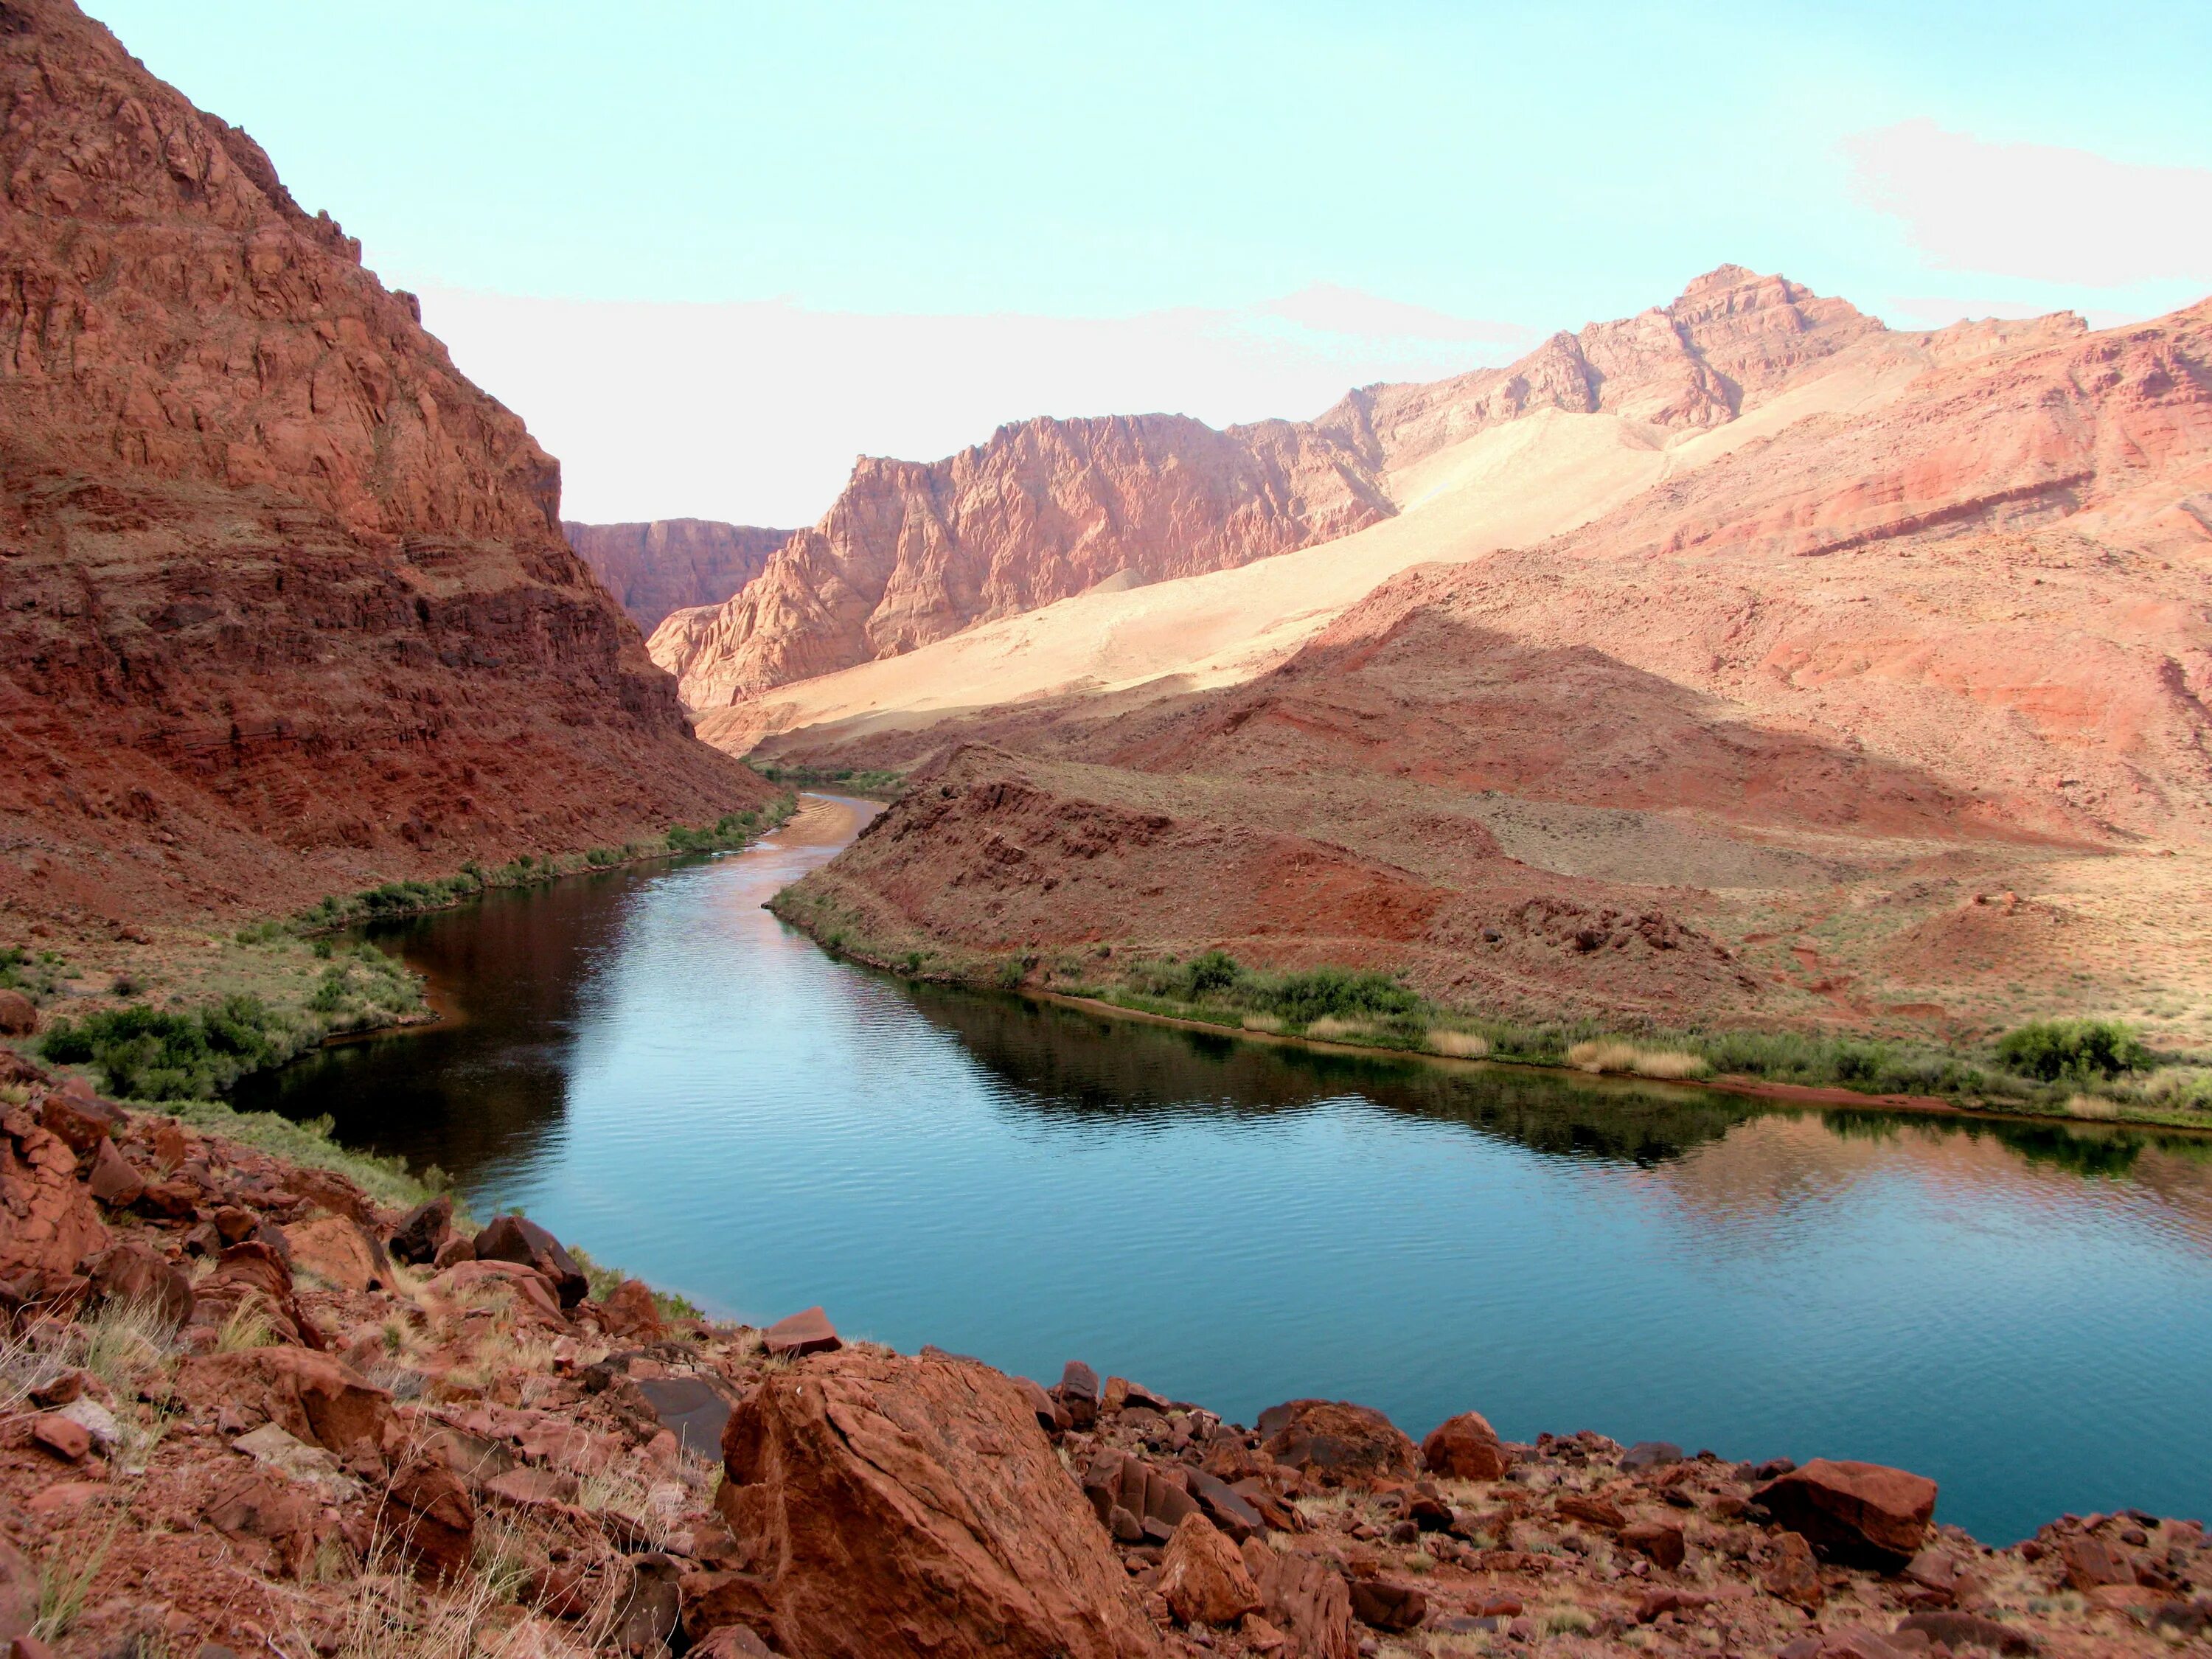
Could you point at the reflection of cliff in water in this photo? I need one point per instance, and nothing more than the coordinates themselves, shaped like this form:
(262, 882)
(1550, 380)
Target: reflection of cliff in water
(1070, 1063)
(487, 1091)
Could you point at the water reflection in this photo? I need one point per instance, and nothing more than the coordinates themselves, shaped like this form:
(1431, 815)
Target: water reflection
(658, 1068)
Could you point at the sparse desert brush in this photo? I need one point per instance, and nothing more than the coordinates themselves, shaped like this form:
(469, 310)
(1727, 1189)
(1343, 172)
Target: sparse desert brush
(2186, 1086)
(1329, 1027)
(1670, 1063)
(1463, 1045)
(1615, 1054)
(1602, 1055)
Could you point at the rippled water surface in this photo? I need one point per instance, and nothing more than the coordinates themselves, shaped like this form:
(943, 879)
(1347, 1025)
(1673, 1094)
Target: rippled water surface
(658, 1069)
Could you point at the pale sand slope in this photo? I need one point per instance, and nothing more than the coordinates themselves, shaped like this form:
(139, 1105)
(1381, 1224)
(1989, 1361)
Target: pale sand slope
(1508, 486)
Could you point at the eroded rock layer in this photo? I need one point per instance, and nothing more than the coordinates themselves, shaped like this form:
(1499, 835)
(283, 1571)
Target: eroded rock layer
(673, 564)
(284, 602)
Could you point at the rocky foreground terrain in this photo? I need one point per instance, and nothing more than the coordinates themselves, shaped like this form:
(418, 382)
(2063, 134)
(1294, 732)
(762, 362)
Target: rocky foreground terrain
(285, 607)
(247, 1408)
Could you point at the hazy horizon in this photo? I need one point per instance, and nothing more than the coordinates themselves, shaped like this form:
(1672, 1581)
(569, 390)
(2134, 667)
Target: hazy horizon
(713, 255)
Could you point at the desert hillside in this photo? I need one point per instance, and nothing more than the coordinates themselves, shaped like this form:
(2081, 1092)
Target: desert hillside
(284, 603)
(1881, 677)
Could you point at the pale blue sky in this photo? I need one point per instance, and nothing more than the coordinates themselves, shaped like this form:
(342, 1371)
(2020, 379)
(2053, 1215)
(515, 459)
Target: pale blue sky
(946, 202)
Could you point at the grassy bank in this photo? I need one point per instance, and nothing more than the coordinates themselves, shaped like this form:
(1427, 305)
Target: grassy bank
(192, 1014)
(2090, 1070)
(472, 880)
(843, 780)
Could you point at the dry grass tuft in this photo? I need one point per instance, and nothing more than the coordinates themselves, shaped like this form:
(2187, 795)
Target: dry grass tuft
(1463, 1045)
(1615, 1054)
(1328, 1027)
(2093, 1108)
(1261, 1023)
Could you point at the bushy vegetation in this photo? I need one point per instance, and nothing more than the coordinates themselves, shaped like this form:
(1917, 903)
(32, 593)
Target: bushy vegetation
(1218, 981)
(394, 899)
(852, 780)
(35, 977)
(143, 1053)
(148, 1053)
(730, 829)
(2074, 1050)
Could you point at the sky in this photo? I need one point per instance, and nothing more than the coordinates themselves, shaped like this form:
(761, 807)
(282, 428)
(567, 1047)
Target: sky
(712, 251)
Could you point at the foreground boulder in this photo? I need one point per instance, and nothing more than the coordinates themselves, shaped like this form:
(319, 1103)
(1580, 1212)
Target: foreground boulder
(1464, 1447)
(887, 1506)
(1337, 1443)
(1862, 1514)
(518, 1239)
(311, 1396)
(47, 1223)
(1203, 1576)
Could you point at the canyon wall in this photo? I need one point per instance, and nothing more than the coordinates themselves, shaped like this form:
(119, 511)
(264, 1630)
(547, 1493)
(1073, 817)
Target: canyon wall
(673, 564)
(284, 602)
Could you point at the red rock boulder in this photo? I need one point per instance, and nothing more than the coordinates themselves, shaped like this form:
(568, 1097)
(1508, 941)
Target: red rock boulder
(895, 1505)
(518, 1239)
(1202, 1577)
(1860, 1514)
(311, 1396)
(1464, 1447)
(808, 1331)
(19, 1015)
(131, 1273)
(47, 1221)
(1337, 1443)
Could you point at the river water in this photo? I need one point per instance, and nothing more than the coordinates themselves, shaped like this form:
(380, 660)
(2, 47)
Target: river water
(658, 1069)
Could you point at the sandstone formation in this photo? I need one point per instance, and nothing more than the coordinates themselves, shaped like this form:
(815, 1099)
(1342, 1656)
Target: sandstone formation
(910, 553)
(1048, 509)
(673, 564)
(465, 1462)
(284, 603)
(1939, 644)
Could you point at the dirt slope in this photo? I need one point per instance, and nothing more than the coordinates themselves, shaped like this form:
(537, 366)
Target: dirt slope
(284, 603)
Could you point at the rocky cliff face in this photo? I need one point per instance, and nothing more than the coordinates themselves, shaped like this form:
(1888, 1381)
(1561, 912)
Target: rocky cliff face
(1732, 338)
(673, 564)
(1047, 508)
(284, 604)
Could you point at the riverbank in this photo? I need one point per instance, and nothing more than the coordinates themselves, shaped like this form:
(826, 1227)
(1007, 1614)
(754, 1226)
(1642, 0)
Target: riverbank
(175, 1011)
(1330, 1009)
(364, 1429)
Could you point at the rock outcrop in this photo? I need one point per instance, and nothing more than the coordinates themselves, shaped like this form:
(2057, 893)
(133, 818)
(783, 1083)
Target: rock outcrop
(673, 564)
(911, 552)
(975, 1541)
(284, 602)
(1048, 508)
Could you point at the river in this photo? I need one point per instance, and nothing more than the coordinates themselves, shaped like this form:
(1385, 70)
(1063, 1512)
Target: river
(657, 1068)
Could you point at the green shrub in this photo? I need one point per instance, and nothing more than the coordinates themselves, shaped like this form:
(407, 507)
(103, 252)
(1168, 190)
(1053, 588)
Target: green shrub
(2068, 1050)
(145, 1054)
(1333, 992)
(1209, 974)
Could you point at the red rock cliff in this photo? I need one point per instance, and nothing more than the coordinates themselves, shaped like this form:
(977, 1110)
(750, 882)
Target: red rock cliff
(1047, 509)
(673, 564)
(284, 603)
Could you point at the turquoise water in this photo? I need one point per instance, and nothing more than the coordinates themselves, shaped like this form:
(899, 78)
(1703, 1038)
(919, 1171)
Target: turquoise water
(659, 1070)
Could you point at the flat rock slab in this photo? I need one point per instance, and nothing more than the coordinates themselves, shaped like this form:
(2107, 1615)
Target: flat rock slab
(810, 1332)
(694, 1411)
